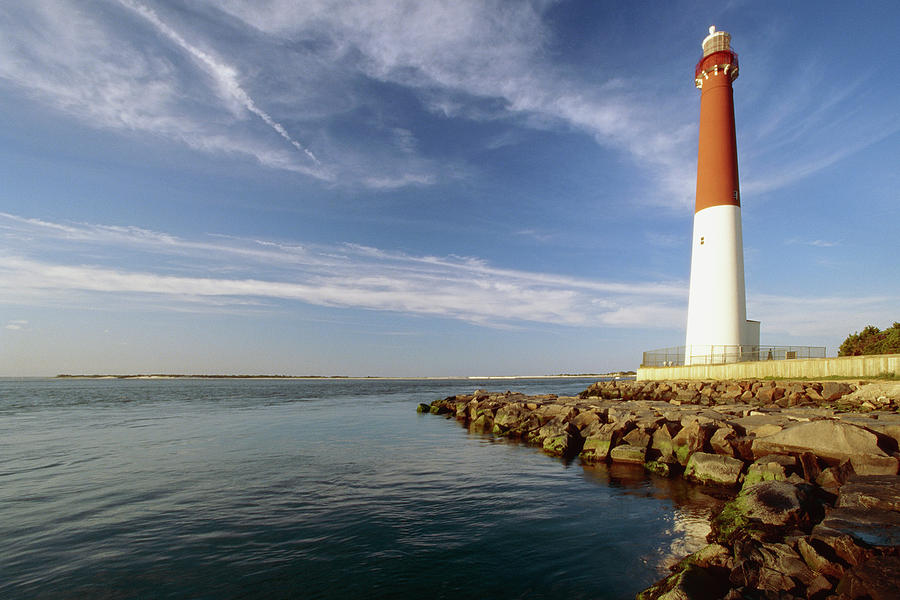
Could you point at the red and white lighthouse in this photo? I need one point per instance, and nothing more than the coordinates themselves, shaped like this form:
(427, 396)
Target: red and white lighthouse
(717, 326)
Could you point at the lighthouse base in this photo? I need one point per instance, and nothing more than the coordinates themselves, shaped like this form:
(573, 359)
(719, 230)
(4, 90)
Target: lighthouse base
(717, 326)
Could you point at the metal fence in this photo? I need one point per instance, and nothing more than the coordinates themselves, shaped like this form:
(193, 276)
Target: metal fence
(719, 355)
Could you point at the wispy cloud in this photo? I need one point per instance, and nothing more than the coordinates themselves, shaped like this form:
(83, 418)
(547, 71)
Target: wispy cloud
(239, 274)
(87, 62)
(306, 71)
(16, 325)
(459, 53)
(473, 59)
(346, 276)
(815, 243)
(224, 74)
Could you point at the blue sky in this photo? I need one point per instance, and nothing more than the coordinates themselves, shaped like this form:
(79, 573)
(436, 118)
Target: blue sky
(426, 188)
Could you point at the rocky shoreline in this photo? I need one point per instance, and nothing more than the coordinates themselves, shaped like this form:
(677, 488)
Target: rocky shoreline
(814, 465)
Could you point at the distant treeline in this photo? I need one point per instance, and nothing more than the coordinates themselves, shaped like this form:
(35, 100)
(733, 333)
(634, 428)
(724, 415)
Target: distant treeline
(872, 340)
(615, 374)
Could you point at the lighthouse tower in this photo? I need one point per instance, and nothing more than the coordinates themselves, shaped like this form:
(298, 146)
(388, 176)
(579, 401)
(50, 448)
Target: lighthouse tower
(717, 326)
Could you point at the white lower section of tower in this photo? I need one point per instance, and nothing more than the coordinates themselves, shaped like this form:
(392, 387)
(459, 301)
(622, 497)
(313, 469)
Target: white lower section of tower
(717, 326)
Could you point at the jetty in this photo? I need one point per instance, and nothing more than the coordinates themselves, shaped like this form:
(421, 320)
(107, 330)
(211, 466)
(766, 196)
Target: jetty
(811, 468)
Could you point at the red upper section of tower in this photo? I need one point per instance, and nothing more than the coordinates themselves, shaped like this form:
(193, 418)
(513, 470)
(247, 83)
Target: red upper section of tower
(721, 57)
(717, 166)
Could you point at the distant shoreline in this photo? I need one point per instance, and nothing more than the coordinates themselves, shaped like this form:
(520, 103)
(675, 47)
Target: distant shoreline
(621, 374)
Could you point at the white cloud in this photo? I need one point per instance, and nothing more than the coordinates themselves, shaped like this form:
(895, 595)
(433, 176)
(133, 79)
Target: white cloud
(452, 51)
(105, 70)
(345, 276)
(252, 275)
(16, 325)
(84, 63)
(224, 74)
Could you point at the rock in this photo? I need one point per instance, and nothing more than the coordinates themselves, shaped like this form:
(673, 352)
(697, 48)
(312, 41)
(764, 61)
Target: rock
(843, 546)
(510, 418)
(711, 555)
(875, 579)
(559, 438)
(628, 454)
(810, 465)
(690, 439)
(692, 583)
(461, 410)
(423, 408)
(814, 395)
(834, 390)
(868, 464)
(819, 557)
(761, 425)
(662, 444)
(721, 441)
(873, 528)
(772, 503)
(833, 441)
(483, 423)
(773, 567)
(832, 478)
(772, 467)
(585, 419)
(471, 409)
(818, 587)
(600, 439)
(713, 469)
(749, 572)
(881, 492)
(770, 395)
(661, 468)
(637, 437)
(548, 412)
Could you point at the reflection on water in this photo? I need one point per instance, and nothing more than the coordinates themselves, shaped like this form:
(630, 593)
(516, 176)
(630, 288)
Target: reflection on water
(693, 506)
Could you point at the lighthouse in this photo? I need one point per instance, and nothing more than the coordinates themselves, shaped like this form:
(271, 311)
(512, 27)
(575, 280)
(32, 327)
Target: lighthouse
(717, 327)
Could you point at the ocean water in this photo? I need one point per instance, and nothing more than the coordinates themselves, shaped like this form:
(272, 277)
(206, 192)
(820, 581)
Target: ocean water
(312, 489)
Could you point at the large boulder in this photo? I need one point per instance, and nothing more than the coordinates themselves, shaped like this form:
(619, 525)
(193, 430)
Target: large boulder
(548, 412)
(637, 437)
(834, 441)
(771, 567)
(880, 492)
(509, 418)
(767, 504)
(599, 439)
(626, 453)
(692, 438)
(662, 444)
(834, 390)
(868, 528)
(585, 419)
(722, 441)
(713, 469)
(557, 437)
(694, 582)
(772, 467)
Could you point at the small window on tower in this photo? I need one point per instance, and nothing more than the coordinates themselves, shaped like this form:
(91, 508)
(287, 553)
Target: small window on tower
(701, 240)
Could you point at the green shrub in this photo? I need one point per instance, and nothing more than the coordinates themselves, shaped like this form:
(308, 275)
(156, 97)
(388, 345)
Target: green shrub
(872, 340)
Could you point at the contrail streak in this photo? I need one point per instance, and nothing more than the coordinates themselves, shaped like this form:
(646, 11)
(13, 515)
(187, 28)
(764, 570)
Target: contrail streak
(223, 73)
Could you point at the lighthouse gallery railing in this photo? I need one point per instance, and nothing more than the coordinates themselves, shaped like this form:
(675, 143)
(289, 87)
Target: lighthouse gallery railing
(716, 355)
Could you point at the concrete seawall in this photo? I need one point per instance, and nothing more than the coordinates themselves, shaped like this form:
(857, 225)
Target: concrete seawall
(809, 368)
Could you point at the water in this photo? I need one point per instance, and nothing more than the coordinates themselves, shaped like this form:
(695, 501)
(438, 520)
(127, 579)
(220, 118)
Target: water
(311, 489)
